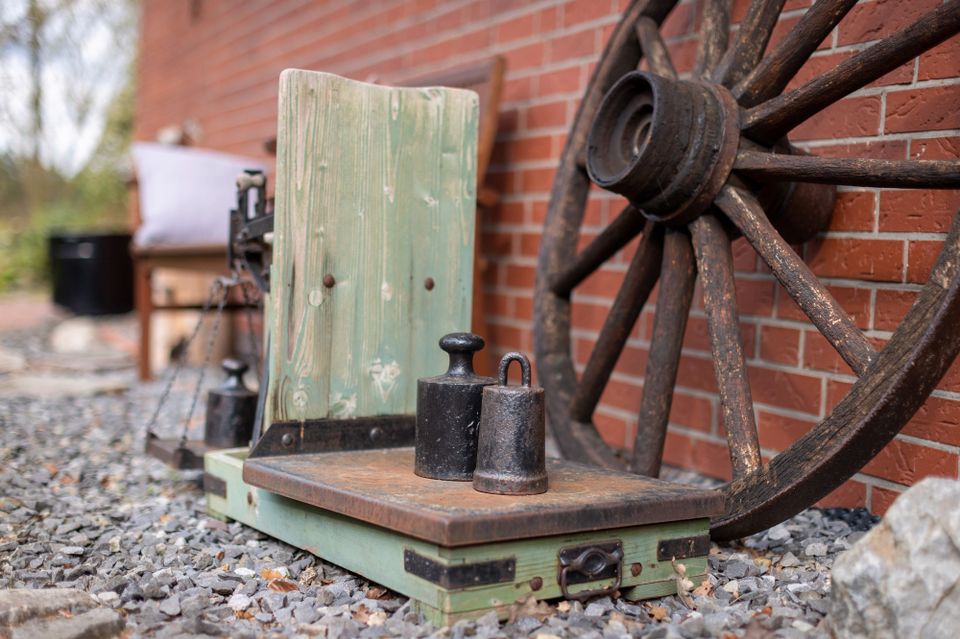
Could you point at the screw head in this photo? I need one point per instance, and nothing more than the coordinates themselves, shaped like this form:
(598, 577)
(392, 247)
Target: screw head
(536, 583)
(287, 439)
(329, 280)
(376, 433)
(429, 284)
(636, 569)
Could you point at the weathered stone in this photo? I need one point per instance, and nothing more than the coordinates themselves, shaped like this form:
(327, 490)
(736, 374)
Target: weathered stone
(902, 579)
(95, 624)
(19, 605)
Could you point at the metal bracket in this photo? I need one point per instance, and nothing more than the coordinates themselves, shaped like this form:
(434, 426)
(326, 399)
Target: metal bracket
(214, 485)
(683, 547)
(333, 435)
(590, 562)
(459, 575)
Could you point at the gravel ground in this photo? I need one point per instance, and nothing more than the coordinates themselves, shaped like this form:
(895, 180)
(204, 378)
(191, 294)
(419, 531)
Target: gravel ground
(82, 507)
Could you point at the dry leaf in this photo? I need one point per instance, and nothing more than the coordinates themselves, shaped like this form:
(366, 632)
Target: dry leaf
(220, 556)
(272, 573)
(564, 606)
(243, 614)
(528, 606)
(375, 592)
(281, 585)
(704, 589)
(52, 469)
(659, 613)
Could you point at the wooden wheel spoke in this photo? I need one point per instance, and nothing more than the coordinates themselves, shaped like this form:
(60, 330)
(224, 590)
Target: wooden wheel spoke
(715, 265)
(714, 33)
(618, 234)
(653, 47)
(772, 119)
(775, 71)
(925, 174)
(677, 277)
(751, 41)
(637, 284)
(797, 278)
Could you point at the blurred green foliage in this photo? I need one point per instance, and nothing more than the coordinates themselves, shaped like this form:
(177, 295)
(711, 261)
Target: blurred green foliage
(36, 201)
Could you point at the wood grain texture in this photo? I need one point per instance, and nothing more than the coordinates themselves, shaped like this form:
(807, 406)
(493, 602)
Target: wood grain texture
(375, 193)
(777, 68)
(715, 265)
(768, 121)
(654, 49)
(678, 274)
(799, 281)
(917, 174)
(714, 35)
(752, 37)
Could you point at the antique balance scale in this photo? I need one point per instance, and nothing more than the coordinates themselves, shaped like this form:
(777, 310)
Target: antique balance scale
(371, 265)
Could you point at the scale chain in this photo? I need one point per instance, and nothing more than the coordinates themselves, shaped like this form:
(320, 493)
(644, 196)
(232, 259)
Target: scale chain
(218, 292)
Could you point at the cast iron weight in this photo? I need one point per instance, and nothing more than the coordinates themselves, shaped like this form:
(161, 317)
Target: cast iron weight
(511, 459)
(230, 409)
(448, 413)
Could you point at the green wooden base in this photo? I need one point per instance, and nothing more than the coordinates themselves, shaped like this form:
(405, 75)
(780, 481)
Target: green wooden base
(378, 553)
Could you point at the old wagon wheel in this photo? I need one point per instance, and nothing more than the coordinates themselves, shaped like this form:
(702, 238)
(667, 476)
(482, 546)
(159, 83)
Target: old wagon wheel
(701, 160)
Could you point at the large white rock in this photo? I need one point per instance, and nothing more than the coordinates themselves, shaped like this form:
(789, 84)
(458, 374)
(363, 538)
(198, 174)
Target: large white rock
(902, 579)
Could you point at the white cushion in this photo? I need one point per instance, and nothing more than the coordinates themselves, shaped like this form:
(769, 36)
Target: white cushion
(186, 194)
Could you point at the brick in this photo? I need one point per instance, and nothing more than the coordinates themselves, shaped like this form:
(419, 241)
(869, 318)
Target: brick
(945, 148)
(552, 115)
(744, 257)
(518, 28)
(849, 494)
(691, 411)
(850, 117)
(517, 276)
(780, 345)
(907, 463)
(696, 373)
(882, 499)
(708, 457)
(938, 420)
(525, 56)
(571, 46)
(854, 211)
(918, 211)
(622, 394)
(820, 354)
(862, 259)
(855, 301)
(612, 429)
(778, 432)
(755, 297)
(875, 149)
(565, 80)
(874, 20)
(817, 65)
(921, 256)
(891, 308)
(929, 109)
(679, 22)
(784, 390)
(578, 11)
(940, 61)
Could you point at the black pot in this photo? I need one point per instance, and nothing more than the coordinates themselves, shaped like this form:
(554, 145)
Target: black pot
(92, 272)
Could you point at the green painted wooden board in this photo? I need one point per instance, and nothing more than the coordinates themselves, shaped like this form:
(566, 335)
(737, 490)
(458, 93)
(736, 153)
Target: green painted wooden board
(376, 188)
(377, 553)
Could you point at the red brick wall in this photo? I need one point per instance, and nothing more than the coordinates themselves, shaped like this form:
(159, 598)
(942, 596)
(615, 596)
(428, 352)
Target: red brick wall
(217, 61)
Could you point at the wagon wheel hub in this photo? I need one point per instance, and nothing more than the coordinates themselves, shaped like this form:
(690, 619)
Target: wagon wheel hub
(667, 145)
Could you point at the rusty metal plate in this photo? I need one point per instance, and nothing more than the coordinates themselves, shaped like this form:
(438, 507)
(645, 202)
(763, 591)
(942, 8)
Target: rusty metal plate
(379, 487)
(683, 547)
(170, 452)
